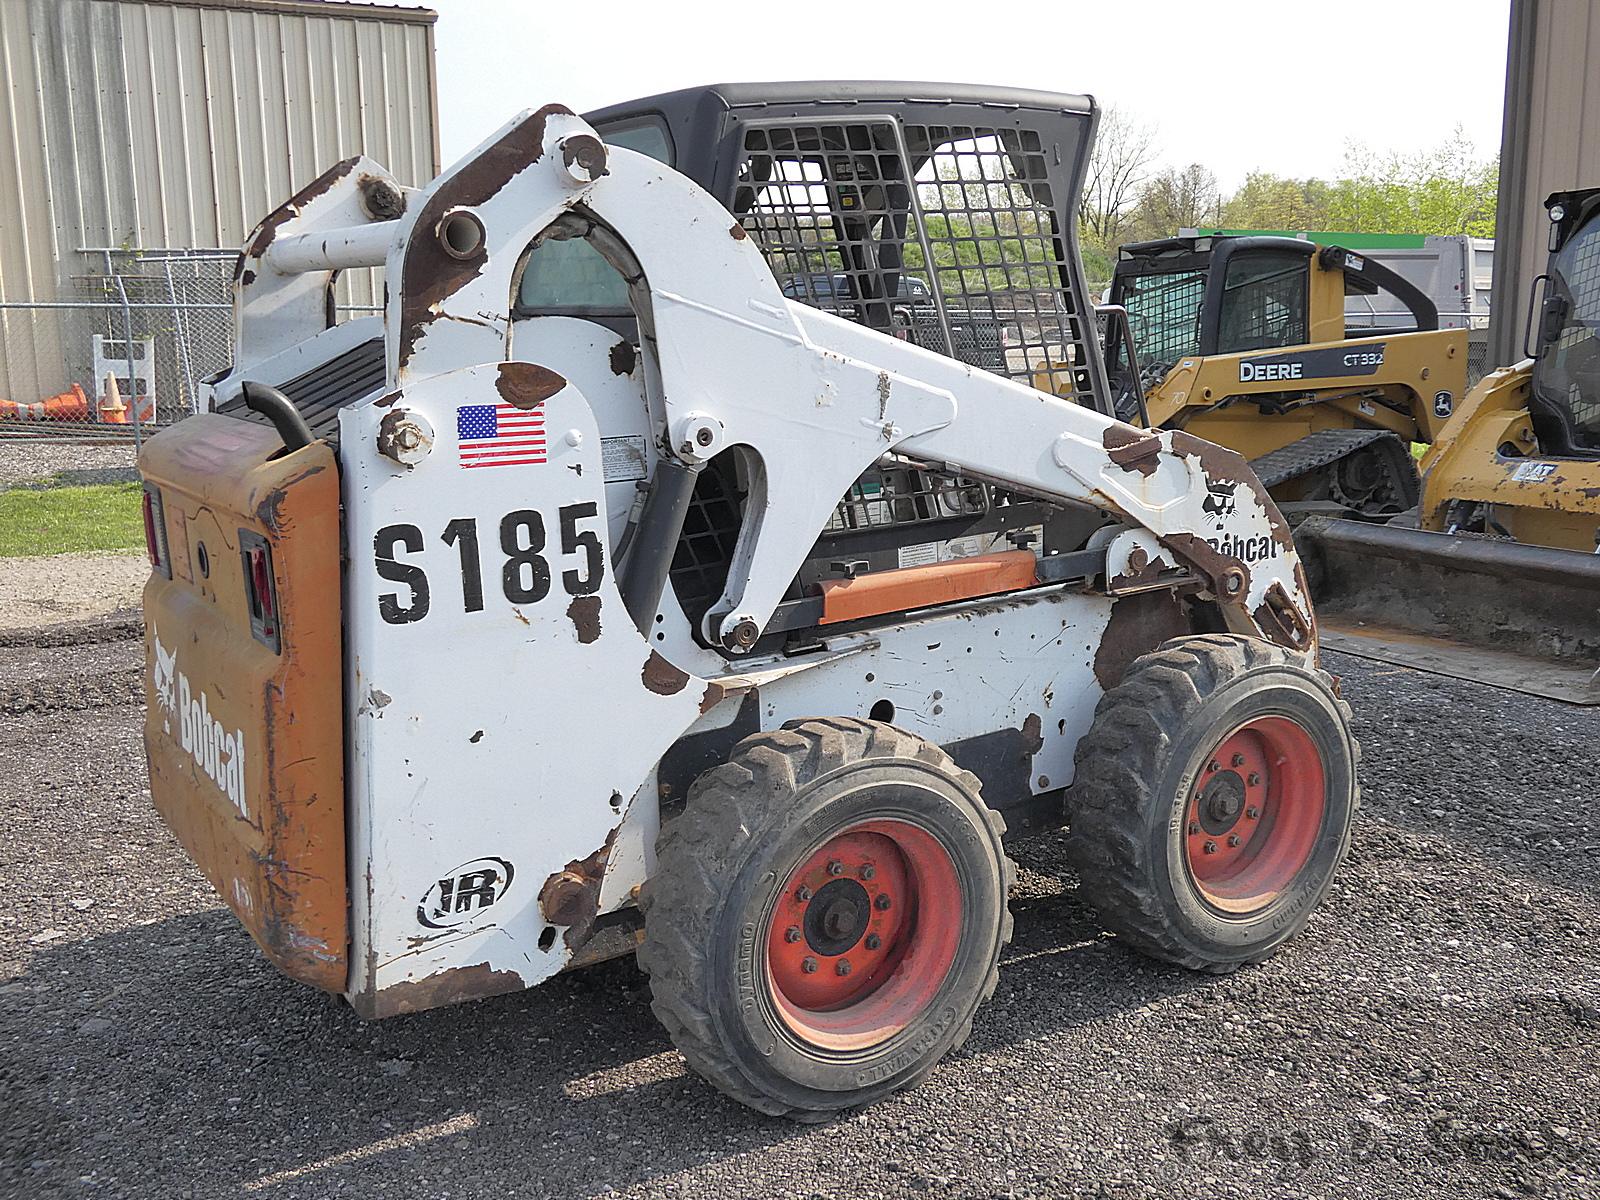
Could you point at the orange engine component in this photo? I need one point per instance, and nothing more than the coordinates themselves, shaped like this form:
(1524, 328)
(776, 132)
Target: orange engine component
(918, 587)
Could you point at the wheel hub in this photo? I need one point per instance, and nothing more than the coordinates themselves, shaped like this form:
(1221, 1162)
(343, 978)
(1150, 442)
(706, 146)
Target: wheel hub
(863, 934)
(1254, 814)
(1222, 802)
(837, 916)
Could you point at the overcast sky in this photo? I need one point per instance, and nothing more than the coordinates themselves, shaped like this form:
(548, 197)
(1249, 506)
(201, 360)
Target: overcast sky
(1280, 85)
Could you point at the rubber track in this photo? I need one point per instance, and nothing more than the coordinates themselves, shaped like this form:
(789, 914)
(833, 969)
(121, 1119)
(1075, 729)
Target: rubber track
(700, 848)
(1315, 450)
(1117, 762)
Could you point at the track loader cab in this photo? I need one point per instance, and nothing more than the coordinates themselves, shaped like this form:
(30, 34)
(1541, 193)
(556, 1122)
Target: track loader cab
(600, 597)
(1502, 581)
(1242, 340)
(1522, 457)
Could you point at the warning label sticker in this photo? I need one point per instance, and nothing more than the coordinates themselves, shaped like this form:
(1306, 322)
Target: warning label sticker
(622, 458)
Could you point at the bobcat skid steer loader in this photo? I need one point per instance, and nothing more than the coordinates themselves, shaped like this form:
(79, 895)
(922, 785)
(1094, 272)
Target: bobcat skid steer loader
(486, 641)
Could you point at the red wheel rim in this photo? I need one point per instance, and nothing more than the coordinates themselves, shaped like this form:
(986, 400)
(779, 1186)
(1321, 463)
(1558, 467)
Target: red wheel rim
(863, 935)
(1254, 813)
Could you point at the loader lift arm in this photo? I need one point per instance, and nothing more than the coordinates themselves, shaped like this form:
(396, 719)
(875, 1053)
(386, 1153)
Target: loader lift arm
(814, 398)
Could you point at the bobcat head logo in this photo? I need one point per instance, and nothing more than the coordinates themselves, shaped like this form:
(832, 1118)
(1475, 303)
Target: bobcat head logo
(1219, 499)
(166, 680)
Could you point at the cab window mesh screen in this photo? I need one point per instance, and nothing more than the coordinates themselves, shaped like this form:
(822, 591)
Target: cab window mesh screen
(1264, 302)
(1570, 367)
(1164, 314)
(942, 235)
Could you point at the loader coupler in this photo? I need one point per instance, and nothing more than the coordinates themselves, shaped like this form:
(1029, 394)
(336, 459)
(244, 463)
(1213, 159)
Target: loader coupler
(243, 728)
(1497, 612)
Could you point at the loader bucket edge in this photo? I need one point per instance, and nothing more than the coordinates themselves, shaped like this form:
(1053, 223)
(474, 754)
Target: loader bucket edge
(1521, 617)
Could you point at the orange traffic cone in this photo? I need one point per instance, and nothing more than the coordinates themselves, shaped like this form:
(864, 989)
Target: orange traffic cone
(112, 410)
(70, 405)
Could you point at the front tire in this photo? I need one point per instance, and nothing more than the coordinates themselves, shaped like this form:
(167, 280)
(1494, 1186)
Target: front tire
(1213, 800)
(826, 916)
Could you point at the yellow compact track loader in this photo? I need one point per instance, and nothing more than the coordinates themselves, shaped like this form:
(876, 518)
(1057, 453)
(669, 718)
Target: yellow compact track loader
(1501, 582)
(1242, 341)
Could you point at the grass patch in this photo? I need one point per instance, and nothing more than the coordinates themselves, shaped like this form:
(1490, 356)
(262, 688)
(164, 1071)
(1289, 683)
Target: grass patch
(66, 519)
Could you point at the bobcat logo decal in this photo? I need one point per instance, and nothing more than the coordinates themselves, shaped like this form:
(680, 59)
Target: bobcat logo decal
(218, 752)
(1219, 501)
(165, 680)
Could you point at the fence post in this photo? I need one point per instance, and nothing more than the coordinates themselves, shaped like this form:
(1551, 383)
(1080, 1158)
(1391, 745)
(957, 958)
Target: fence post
(127, 333)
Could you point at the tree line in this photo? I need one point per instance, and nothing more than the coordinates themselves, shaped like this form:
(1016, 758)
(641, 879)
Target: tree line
(1446, 190)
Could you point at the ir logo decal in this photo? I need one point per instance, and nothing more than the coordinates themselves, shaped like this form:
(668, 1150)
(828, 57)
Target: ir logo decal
(461, 894)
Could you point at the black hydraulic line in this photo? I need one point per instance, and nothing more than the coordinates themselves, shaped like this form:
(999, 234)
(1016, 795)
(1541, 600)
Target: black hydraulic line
(643, 573)
(280, 410)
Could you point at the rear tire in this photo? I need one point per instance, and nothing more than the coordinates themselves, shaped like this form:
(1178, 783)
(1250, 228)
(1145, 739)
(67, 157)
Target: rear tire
(826, 916)
(1213, 800)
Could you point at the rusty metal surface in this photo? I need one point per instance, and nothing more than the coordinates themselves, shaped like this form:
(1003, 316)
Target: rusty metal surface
(267, 824)
(1139, 623)
(429, 273)
(452, 986)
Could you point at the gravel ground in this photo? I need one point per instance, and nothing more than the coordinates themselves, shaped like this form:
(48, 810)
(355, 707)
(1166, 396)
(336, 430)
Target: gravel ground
(1433, 1033)
(69, 587)
(22, 461)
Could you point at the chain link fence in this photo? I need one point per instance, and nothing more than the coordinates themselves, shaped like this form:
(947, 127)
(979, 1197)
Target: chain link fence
(156, 322)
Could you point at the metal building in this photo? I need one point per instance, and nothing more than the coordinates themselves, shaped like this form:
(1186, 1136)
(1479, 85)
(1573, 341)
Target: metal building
(1550, 142)
(143, 139)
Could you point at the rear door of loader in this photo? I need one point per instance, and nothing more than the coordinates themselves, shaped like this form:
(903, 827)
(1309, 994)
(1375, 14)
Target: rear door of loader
(243, 729)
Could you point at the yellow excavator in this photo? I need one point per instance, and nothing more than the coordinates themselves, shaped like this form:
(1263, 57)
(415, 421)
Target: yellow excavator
(1242, 340)
(1501, 581)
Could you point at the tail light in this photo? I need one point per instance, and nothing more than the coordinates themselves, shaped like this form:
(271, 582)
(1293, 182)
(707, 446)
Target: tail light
(261, 590)
(155, 531)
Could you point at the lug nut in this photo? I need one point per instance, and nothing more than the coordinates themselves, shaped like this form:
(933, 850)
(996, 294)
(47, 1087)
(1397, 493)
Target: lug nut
(808, 965)
(844, 966)
(1233, 839)
(1238, 760)
(1194, 826)
(873, 941)
(1254, 780)
(868, 871)
(1253, 813)
(802, 893)
(882, 903)
(792, 934)
(835, 867)
(1212, 765)
(1211, 847)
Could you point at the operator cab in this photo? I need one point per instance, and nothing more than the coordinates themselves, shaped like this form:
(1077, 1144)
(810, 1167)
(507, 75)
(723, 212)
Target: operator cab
(943, 215)
(1193, 297)
(1564, 399)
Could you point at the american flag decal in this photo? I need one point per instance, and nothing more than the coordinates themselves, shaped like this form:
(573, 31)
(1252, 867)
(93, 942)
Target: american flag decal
(499, 435)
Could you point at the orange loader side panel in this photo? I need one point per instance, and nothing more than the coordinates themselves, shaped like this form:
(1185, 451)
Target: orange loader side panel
(245, 740)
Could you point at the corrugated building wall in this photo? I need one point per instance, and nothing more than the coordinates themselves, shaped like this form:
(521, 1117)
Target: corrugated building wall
(1550, 142)
(153, 124)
